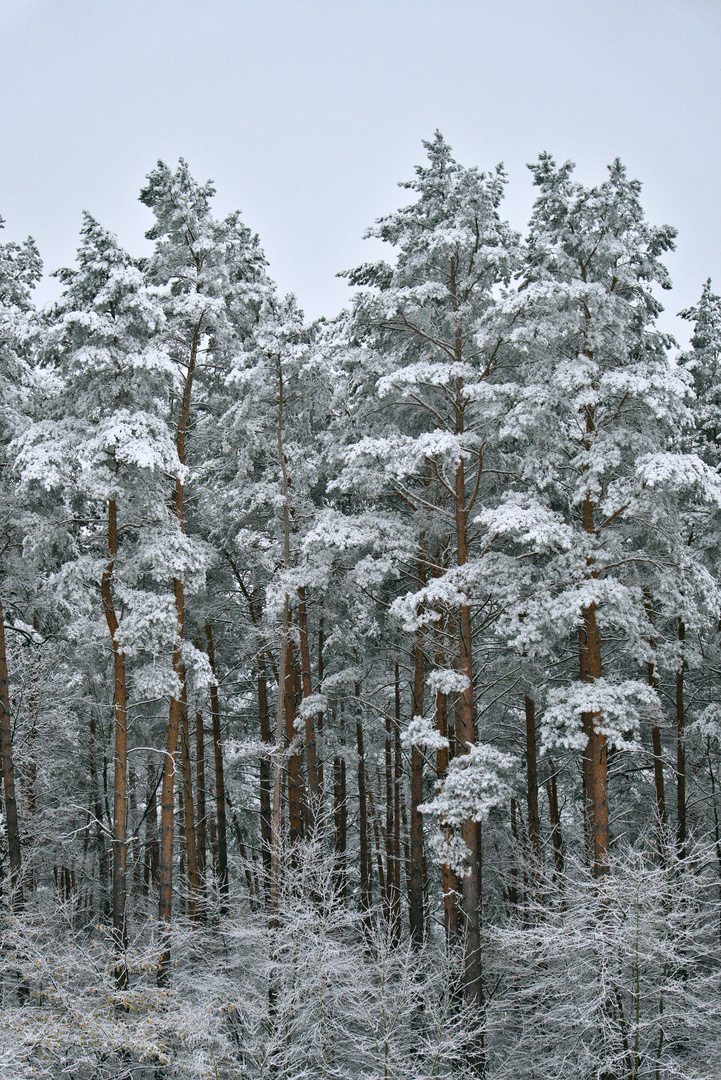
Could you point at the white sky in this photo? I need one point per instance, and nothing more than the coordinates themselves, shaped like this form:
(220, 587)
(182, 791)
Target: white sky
(307, 112)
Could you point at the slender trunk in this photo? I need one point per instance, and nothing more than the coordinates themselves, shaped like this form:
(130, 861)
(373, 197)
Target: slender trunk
(657, 756)
(555, 819)
(392, 890)
(200, 828)
(415, 913)
(596, 752)
(152, 847)
(282, 672)
(167, 810)
(167, 803)
(278, 772)
(397, 786)
(681, 745)
(534, 825)
(295, 809)
(265, 779)
(340, 821)
(449, 878)
(222, 836)
(8, 772)
(319, 716)
(513, 894)
(314, 792)
(376, 837)
(466, 731)
(191, 855)
(120, 786)
(366, 884)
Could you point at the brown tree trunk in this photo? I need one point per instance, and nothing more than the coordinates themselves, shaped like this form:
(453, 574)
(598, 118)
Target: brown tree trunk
(596, 752)
(278, 768)
(681, 745)
(167, 804)
(466, 732)
(392, 875)
(167, 813)
(222, 835)
(397, 791)
(534, 825)
(265, 778)
(314, 791)
(8, 771)
(555, 819)
(200, 828)
(415, 912)
(340, 821)
(366, 885)
(376, 837)
(152, 847)
(657, 756)
(191, 855)
(319, 717)
(295, 808)
(120, 786)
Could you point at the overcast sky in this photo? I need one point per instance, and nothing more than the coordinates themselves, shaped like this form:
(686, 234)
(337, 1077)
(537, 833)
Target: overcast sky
(307, 112)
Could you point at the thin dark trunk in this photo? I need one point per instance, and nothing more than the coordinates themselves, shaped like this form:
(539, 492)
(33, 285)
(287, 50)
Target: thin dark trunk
(657, 756)
(366, 883)
(191, 856)
(219, 778)
(295, 809)
(340, 821)
(265, 778)
(314, 791)
(200, 828)
(534, 825)
(8, 770)
(681, 745)
(555, 819)
(152, 846)
(415, 912)
(120, 786)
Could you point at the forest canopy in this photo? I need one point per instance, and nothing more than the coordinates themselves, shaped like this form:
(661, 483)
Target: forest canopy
(360, 680)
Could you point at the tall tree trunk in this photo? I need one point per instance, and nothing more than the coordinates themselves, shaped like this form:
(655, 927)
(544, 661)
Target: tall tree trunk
(120, 787)
(295, 808)
(222, 835)
(167, 812)
(415, 913)
(681, 744)
(167, 799)
(657, 756)
(314, 791)
(191, 853)
(8, 770)
(278, 772)
(555, 819)
(152, 846)
(596, 752)
(466, 731)
(340, 821)
(534, 825)
(200, 827)
(449, 878)
(319, 716)
(265, 779)
(396, 918)
(392, 875)
(366, 885)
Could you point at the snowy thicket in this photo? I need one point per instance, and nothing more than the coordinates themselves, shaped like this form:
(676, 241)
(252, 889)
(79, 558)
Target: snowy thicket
(360, 681)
